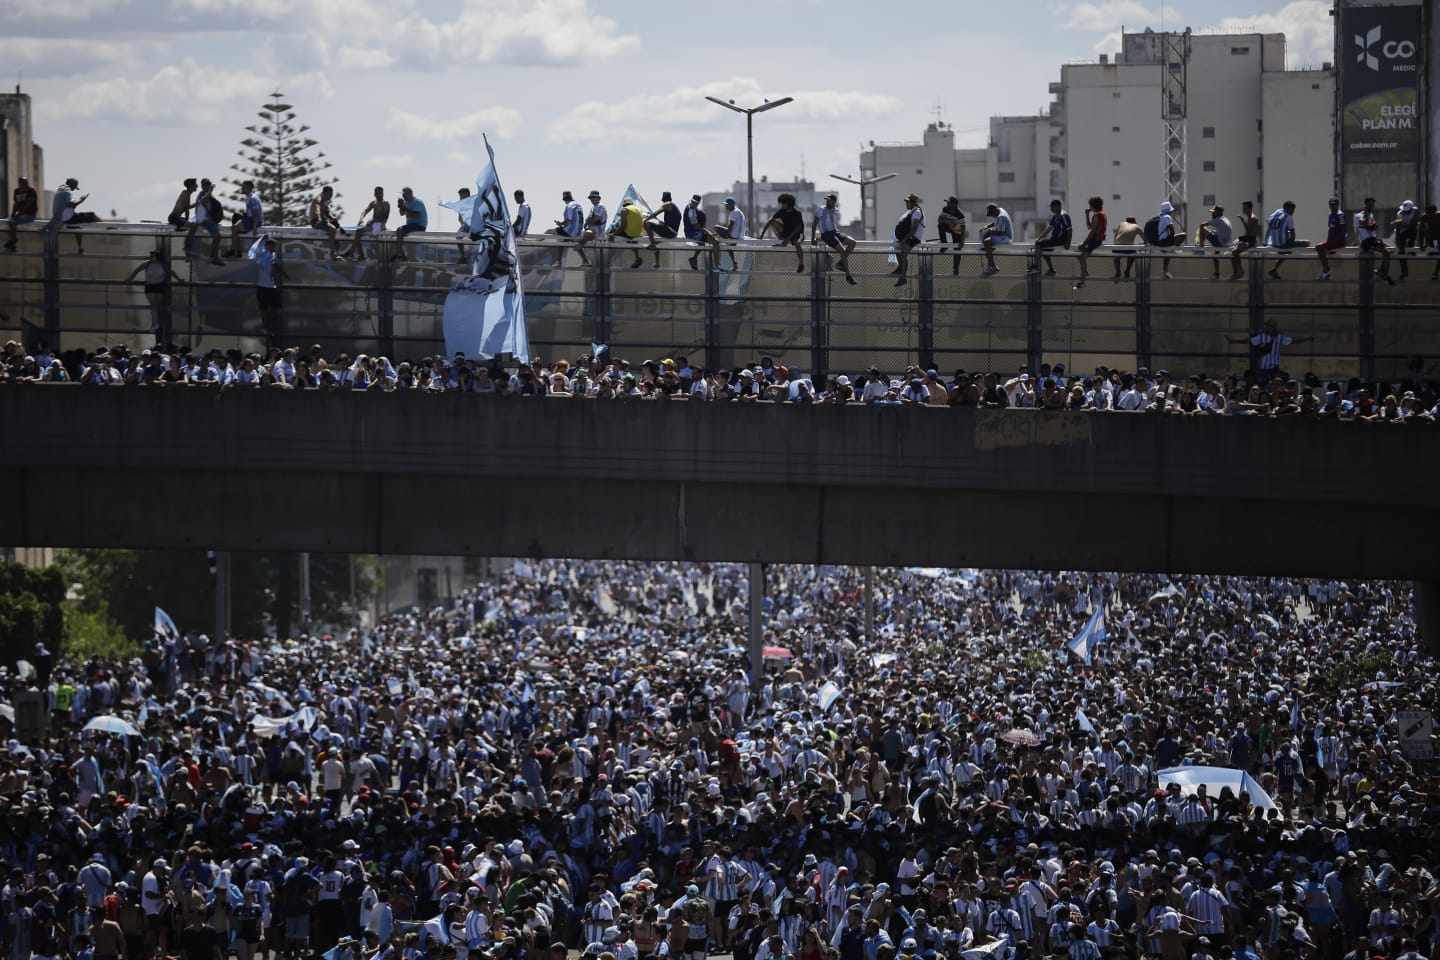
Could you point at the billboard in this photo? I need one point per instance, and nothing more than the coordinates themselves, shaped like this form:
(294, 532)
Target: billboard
(1380, 83)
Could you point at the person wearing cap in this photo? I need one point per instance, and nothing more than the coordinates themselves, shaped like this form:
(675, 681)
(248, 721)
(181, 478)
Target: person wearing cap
(1337, 236)
(997, 233)
(732, 229)
(952, 229)
(630, 227)
(1168, 233)
(154, 897)
(62, 209)
(596, 220)
(826, 223)
(663, 223)
(909, 231)
(789, 224)
(1057, 234)
(24, 207)
(1215, 232)
(250, 219)
(206, 218)
(1407, 233)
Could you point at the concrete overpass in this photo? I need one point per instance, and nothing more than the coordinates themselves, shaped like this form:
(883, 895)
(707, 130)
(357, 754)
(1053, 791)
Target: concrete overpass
(457, 474)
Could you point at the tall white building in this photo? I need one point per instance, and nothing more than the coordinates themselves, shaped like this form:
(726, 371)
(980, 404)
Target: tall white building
(1197, 118)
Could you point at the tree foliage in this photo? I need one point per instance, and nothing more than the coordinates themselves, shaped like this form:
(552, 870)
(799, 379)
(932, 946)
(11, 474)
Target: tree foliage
(30, 610)
(123, 587)
(283, 161)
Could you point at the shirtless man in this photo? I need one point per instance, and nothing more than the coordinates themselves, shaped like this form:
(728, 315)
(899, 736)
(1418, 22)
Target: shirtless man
(322, 219)
(379, 212)
(179, 217)
(1249, 236)
(1128, 236)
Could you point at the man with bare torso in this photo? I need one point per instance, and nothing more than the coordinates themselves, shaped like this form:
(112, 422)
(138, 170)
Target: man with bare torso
(379, 212)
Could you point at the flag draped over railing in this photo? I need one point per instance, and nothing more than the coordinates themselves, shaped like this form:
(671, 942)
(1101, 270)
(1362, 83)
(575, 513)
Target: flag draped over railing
(485, 312)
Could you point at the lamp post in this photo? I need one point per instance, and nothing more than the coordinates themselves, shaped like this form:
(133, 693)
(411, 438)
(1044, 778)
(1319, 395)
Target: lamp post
(750, 141)
(862, 183)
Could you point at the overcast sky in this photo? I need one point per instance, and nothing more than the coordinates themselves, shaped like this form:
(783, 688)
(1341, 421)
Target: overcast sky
(132, 96)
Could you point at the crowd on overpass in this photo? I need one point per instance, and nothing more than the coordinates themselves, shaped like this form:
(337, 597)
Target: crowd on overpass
(999, 765)
(1268, 391)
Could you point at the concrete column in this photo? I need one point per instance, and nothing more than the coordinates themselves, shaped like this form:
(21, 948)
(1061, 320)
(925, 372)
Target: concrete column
(1427, 614)
(757, 618)
(222, 601)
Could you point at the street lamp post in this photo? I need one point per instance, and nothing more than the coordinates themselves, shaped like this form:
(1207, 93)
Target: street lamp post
(750, 141)
(862, 183)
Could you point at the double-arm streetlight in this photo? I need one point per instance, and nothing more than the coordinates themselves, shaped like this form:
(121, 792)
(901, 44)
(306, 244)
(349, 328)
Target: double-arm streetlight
(750, 140)
(862, 183)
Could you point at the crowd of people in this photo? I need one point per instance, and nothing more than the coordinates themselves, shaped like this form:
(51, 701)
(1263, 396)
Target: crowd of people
(572, 756)
(1413, 398)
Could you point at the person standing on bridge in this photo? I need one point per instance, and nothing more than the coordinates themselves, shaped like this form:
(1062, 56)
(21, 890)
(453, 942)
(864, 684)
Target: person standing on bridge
(1270, 343)
(267, 285)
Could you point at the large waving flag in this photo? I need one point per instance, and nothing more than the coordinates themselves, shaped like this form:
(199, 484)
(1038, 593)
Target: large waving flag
(630, 194)
(485, 312)
(1090, 636)
(164, 626)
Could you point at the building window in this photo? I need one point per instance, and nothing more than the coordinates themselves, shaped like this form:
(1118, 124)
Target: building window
(1115, 95)
(1007, 178)
(1239, 51)
(1259, 163)
(1208, 166)
(1314, 86)
(1114, 196)
(1207, 132)
(1209, 200)
(1114, 163)
(1114, 129)
(919, 172)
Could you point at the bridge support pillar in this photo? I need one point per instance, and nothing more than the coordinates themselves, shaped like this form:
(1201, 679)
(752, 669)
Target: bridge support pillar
(757, 623)
(1427, 614)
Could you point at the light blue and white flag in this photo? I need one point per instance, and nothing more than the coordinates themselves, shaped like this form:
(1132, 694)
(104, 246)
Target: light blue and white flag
(165, 626)
(1084, 721)
(829, 694)
(485, 312)
(630, 194)
(1090, 636)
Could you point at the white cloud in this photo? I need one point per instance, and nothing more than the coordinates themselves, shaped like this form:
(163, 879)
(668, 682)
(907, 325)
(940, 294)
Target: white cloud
(1108, 15)
(58, 9)
(1308, 27)
(390, 161)
(62, 57)
(183, 92)
(501, 122)
(656, 116)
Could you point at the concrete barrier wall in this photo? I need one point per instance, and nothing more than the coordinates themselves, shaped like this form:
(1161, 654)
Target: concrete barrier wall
(460, 474)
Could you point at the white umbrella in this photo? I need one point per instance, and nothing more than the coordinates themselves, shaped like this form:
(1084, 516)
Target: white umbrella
(113, 724)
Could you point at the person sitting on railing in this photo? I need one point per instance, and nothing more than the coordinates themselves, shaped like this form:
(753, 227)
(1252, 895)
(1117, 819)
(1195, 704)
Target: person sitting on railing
(1280, 233)
(417, 219)
(789, 224)
(1249, 238)
(1336, 236)
(997, 233)
(1367, 230)
(378, 210)
(1163, 231)
(662, 223)
(1058, 233)
(24, 207)
(323, 220)
(909, 231)
(1217, 233)
(732, 229)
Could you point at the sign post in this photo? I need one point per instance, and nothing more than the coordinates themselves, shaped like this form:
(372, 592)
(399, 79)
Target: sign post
(1415, 728)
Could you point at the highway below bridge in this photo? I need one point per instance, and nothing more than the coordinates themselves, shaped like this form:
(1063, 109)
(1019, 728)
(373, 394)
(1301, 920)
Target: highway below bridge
(648, 480)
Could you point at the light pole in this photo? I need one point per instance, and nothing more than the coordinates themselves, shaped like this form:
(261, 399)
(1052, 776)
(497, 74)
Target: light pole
(862, 183)
(750, 140)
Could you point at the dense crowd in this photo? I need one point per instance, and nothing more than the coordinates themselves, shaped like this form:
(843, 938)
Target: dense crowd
(573, 757)
(1415, 398)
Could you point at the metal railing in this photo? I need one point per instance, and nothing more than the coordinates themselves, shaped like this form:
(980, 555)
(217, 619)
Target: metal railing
(944, 315)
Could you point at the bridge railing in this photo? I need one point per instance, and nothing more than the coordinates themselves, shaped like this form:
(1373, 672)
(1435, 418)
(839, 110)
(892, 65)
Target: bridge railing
(945, 314)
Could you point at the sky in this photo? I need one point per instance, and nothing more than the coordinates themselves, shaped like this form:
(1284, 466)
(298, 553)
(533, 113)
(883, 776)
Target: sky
(133, 96)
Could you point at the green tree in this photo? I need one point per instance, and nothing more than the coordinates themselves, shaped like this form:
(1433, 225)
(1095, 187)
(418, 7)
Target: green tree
(30, 610)
(284, 163)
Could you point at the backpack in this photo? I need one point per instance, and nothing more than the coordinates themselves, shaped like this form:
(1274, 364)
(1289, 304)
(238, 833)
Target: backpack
(213, 207)
(1152, 230)
(1068, 232)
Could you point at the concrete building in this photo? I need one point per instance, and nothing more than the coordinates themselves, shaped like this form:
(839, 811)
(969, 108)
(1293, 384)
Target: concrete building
(1198, 119)
(19, 155)
(1017, 168)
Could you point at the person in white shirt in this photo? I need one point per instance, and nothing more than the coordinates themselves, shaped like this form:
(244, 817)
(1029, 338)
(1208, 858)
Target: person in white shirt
(1367, 232)
(248, 221)
(267, 287)
(909, 231)
(521, 226)
(998, 232)
(1215, 232)
(732, 229)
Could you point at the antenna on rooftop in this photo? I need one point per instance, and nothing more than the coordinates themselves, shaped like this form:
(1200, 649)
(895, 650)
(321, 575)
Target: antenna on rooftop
(939, 111)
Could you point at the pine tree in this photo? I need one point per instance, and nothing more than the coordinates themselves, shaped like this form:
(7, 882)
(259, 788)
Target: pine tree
(284, 164)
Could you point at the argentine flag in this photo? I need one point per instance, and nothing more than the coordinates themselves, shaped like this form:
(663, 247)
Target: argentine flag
(1090, 636)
